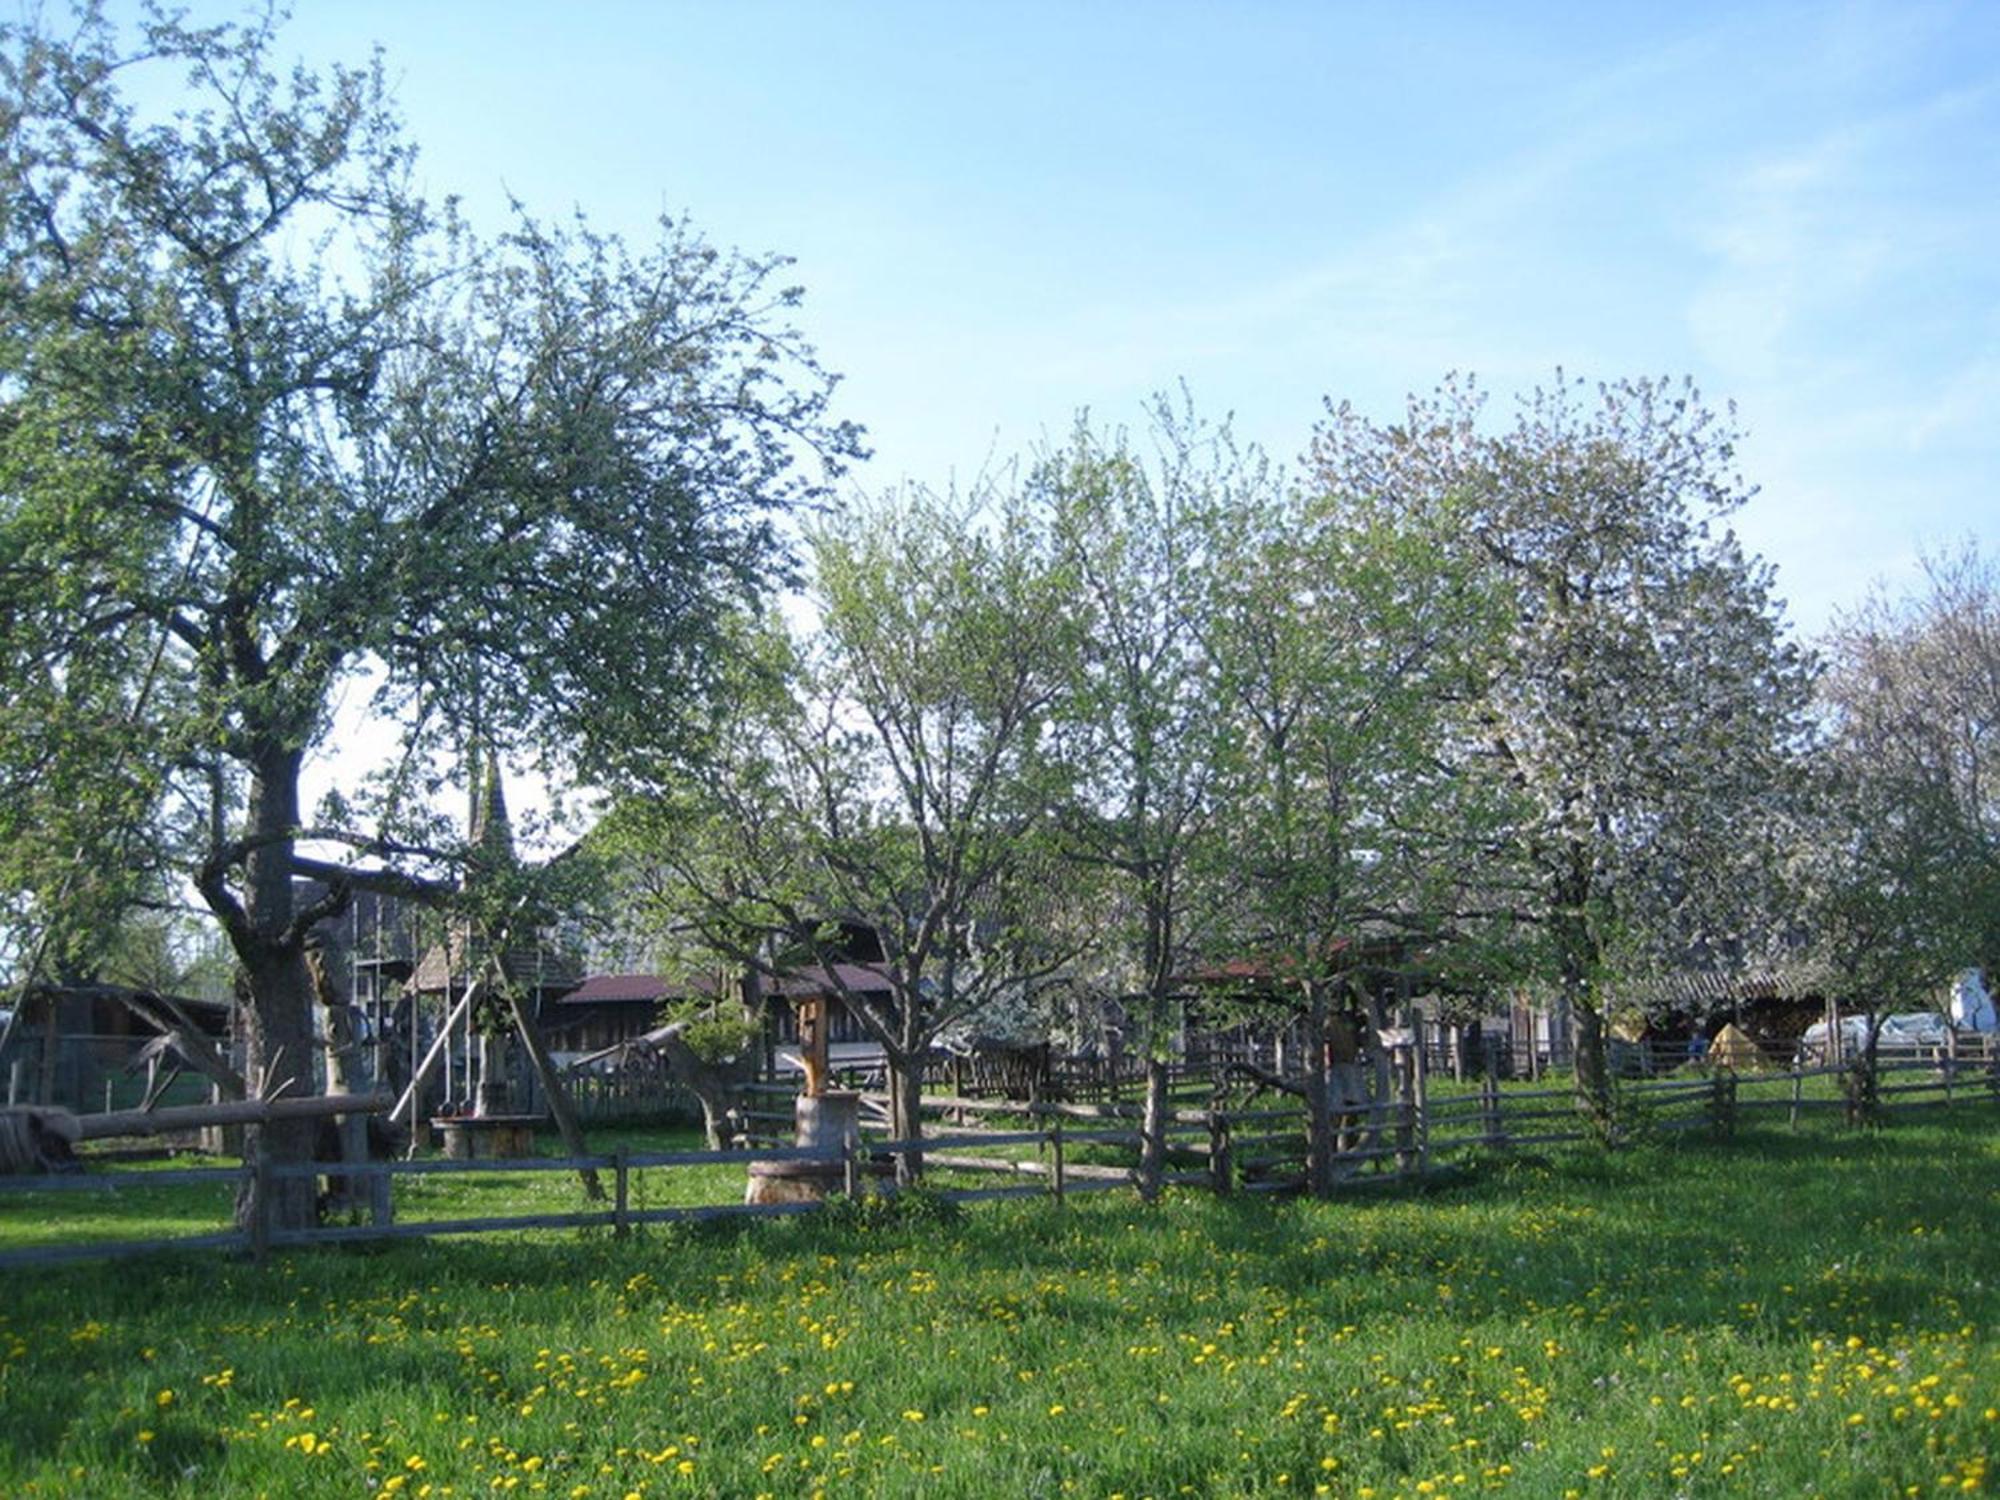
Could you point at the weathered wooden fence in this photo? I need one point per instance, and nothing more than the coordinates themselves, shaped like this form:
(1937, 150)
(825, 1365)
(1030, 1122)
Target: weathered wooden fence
(1224, 1150)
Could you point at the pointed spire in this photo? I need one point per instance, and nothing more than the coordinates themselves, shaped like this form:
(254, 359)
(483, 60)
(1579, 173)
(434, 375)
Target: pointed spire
(491, 830)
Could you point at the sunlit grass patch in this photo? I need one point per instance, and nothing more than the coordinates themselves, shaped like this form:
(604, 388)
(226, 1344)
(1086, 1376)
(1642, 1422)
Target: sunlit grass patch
(1767, 1316)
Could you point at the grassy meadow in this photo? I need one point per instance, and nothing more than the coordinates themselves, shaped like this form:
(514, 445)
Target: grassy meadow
(1774, 1315)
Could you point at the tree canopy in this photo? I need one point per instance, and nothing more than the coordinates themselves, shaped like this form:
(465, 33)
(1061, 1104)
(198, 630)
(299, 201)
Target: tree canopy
(269, 420)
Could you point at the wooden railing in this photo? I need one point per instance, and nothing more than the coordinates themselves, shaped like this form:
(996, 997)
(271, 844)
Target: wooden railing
(1225, 1150)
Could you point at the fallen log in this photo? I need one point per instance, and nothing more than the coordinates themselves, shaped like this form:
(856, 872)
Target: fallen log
(229, 1112)
(34, 1141)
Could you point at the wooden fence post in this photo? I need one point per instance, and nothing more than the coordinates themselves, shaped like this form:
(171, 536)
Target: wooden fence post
(1422, 1094)
(381, 1200)
(1950, 1059)
(1798, 1090)
(1221, 1169)
(850, 1163)
(1722, 1101)
(1489, 1111)
(1406, 1109)
(1056, 1158)
(621, 1191)
(260, 1202)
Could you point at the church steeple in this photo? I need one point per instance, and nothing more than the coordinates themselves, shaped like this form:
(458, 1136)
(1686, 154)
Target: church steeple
(489, 829)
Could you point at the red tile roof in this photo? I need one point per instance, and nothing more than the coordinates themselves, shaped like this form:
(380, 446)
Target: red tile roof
(615, 989)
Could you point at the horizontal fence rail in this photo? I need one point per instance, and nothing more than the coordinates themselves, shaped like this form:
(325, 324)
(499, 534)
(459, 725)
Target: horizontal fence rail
(1260, 1150)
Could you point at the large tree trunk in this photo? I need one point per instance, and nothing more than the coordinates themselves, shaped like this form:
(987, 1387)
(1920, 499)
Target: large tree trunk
(717, 1087)
(1593, 1072)
(280, 1059)
(906, 1121)
(279, 1028)
(1861, 1079)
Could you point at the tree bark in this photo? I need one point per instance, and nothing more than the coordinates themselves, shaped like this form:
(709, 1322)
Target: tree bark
(279, 1030)
(1593, 1073)
(906, 1121)
(717, 1087)
(1861, 1079)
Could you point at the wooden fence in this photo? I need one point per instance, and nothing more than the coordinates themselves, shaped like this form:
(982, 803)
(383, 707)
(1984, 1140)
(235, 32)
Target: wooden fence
(1224, 1150)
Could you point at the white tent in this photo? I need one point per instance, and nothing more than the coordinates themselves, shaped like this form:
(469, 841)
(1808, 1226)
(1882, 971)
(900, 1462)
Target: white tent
(1971, 1007)
(1922, 1028)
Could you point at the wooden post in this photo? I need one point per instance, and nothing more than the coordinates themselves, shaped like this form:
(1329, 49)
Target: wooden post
(1798, 1088)
(45, 1093)
(1422, 1093)
(1056, 1158)
(1489, 1110)
(552, 1085)
(1722, 1101)
(1950, 1059)
(381, 1202)
(260, 1202)
(14, 1083)
(621, 1192)
(850, 1163)
(1406, 1108)
(1221, 1169)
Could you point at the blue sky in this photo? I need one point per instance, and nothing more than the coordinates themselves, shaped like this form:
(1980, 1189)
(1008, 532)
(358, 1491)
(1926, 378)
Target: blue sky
(1004, 213)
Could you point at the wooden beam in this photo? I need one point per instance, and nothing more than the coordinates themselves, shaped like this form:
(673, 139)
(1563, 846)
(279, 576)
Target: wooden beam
(231, 1112)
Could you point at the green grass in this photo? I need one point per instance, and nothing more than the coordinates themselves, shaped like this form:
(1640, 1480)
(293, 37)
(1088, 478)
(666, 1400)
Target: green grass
(1777, 1315)
(145, 1212)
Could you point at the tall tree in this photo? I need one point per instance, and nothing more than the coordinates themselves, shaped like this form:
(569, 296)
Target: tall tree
(265, 407)
(705, 870)
(1143, 716)
(1645, 696)
(1898, 862)
(1874, 874)
(1912, 693)
(1341, 631)
(924, 762)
